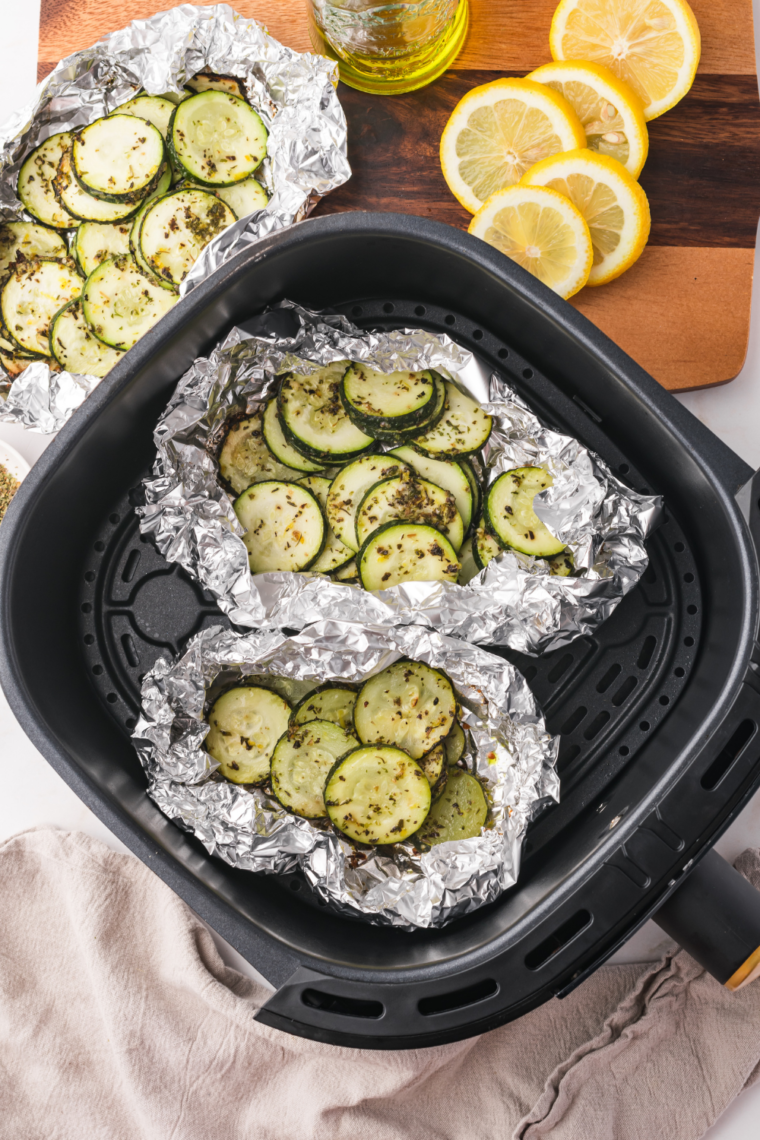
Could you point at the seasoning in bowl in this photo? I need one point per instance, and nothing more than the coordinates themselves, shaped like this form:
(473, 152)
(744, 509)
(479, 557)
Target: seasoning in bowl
(9, 484)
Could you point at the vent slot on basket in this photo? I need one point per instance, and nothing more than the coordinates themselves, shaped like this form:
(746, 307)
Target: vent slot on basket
(558, 940)
(458, 999)
(728, 754)
(342, 1005)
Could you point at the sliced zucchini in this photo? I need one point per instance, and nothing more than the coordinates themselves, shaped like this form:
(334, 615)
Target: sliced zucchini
(302, 761)
(245, 725)
(399, 437)
(406, 552)
(155, 109)
(334, 553)
(432, 764)
(509, 513)
(31, 297)
(409, 704)
(484, 546)
(86, 207)
(286, 529)
(163, 187)
(349, 488)
(390, 401)
(405, 498)
(177, 228)
(244, 457)
(377, 795)
(459, 813)
(95, 241)
(76, 348)
(475, 487)
(118, 158)
(279, 446)
(470, 568)
(120, 304)
(244, 197)
(347, 573)
(313, 418)
(36, 180)
(217, 139)
(331, 701)
(444, 473)
(561, 565)
(29, 240)
(209, 81)
(15, 363)
(462, 429)
(455, 744)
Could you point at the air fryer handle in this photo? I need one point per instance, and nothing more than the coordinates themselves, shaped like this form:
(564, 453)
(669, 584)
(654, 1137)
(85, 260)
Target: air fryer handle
(715, 916)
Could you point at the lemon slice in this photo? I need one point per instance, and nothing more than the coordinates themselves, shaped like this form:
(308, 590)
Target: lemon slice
(653, 45)
(609, 110)
(540, 230)
(612, 203)
(498, 131)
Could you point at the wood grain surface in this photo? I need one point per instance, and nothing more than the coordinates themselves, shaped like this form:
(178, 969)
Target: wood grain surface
(683, 310)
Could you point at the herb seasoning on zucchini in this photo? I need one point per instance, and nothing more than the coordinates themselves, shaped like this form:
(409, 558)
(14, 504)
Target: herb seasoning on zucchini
(245, 725)
(331, 701)
(377, 794)
(302, 760)
(509, 513)
(409, 704)
(459, 813)
(285, 527)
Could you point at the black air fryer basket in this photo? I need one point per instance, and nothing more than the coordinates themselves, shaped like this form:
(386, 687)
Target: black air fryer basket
(658, 711)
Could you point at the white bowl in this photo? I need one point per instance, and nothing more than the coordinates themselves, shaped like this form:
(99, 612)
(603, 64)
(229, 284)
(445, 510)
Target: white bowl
(12, 461)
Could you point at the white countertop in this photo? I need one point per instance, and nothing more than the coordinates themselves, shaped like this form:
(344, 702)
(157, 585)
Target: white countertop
(731, 411)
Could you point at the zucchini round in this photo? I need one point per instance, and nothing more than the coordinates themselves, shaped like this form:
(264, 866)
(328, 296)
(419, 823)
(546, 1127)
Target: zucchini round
(561, 565)
(446, 473)
(285, 527)
(391, 401)
(244, 197)
(244, 457)
(334, 553)
(95, 241)
(155, 109)
(455, 744)
(86, 207)
(331, 701)
(459, 813)
(32, 296)
(118, 158)
(347, 573)
(377, 795)
(36, 183)
(475, 487)
(217, 138)
(463, 428)
(120, 304)
(484, 546)
(163, 187)
(410, 705)
(245, 725)
(349, 487)
(177, 228)
(279, 446)
(76, 348)
(432, 764)
(210, 81)
(406, 552)
(405, 498)
(509, 513)
(314, 420)
(29, 240)
(302, 761)
(470, 568)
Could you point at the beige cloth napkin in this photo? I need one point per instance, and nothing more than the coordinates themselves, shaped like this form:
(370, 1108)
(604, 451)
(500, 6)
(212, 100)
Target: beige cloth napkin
(119, 1021)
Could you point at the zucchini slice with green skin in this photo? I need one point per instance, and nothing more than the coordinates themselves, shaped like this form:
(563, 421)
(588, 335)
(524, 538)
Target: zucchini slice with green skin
(446, 473)
(118, 158)
(31, 297)
(279, 446)
(406, 498)
(120, 304)
(313, 418)
(286, 529)
(334, 553)
(36, 181)
(30, 240)
(561, 565)
(83, 206)
(455, 744)
(244, 197)
(331, 701)
(509, 513)
(245, 459)
(463, 428)
(484, 546)
(459, 813)
(406, 552)
(155, 109)
(348, 573)
(409, 704)
(95, 241)
(475, 487)
(470, 568)
(210, 81)
(245, 725)
(390, 401)
(377, 795)
(432, 764)
(399, 437)
(163, 187)
(217, 138)
(15, 363)
(76, 348)
(302, 761)
(349, 487)
(177, 228)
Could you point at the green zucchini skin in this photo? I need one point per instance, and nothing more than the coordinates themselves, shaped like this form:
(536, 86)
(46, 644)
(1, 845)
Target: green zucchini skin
(459, 813)
(509, 515)
(279, 446)
(386, 412)
(440, 563)
(377, 794)
(322, 432)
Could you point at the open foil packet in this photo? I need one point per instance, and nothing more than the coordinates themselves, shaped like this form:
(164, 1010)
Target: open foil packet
(294, 94)
(514, 601)
(508, 748)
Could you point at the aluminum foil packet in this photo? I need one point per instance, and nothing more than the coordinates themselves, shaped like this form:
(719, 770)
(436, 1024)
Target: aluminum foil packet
(508, 748)
(514, 601)
(294, 93)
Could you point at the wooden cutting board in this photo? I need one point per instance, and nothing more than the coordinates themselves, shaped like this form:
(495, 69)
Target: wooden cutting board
(683, 310)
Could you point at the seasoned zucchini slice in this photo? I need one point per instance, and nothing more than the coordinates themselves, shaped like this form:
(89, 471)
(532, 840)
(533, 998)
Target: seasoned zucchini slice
(209, 81)
(455, 744)
(561, 565)
(470, 568)
(386, 400)
(509, 513)
(245, 725)
(118, 158)
(432, 764)
(155, 109)
(120, 304)
(409, 704)
(313, 417)
(244, 457)
(459, 813)
(408, 435)
(29, 240)
(86, 207)
(217, 139)
(406, 552)
(484, 546)
(332, 701)
(462, 429)
(404, 498)
(286, 529)
(347, 573)
(244, 197)
(95, 241)
(279, 446)
(177, 228)
(444, 473)
(36, 179)
(31, 297)
(302, 761)
(475, 487)
(14, 363)
(163, 187)
(76, 348)
(334, 553)
(377, 795)
(349, 488)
